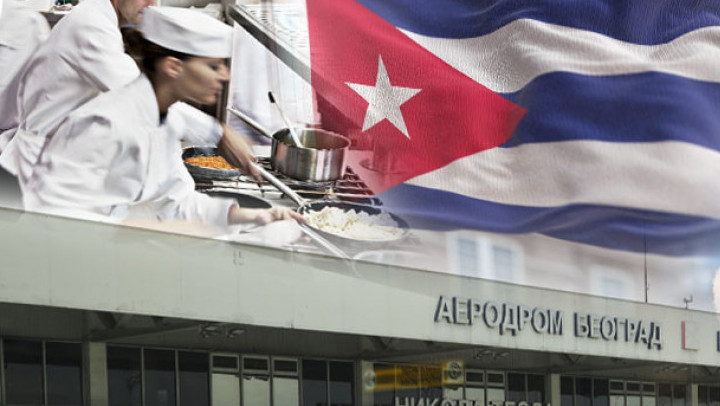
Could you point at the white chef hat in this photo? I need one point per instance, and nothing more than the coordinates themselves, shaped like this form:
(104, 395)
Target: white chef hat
(188, 31)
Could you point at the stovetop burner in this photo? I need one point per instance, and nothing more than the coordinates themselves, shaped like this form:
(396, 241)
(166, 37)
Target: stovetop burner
(350, 188)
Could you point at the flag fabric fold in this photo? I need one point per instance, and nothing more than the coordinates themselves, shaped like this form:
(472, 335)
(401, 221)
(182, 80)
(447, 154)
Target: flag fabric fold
(595, 121)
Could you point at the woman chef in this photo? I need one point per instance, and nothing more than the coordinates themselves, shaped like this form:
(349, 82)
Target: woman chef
(114, 156)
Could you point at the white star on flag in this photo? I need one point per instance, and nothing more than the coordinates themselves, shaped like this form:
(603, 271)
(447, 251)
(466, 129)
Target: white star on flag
(384, 100)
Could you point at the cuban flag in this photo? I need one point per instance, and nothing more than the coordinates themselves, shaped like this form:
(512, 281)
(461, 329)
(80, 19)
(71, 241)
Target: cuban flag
(594, 121)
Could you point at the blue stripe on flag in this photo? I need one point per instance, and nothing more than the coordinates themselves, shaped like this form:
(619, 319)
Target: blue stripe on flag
(606, 226)
(647, 22)
(642, 107)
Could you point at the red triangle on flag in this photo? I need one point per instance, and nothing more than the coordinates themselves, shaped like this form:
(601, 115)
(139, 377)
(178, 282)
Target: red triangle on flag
(407, 111)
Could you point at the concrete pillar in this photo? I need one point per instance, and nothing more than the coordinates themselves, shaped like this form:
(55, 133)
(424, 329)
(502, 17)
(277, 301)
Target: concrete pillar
(553, 390)
(692, 396)
(95, 374)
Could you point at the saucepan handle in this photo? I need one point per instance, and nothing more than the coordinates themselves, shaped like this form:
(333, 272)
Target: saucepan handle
(249, 121)
(332, 248)
(280, 185)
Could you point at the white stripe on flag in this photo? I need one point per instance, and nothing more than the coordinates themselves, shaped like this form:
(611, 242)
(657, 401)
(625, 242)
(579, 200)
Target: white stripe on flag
(664, 176)
(509, 58)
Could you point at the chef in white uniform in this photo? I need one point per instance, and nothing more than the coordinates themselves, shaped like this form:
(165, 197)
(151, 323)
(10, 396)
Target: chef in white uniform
(114, 156)
(21, 31)
(83, 57)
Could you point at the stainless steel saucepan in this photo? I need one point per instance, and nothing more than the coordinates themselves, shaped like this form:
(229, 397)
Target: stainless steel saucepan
(321, 158)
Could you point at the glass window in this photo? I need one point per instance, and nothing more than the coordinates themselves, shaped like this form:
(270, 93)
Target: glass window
(226, 362)
(23, 372)
(601, 389)
(467, 255)
(496, 379)
(516, 387)
(664, 395)
(430, 382)
(567, 390)
(475, 376)
(617, 387)
(407, 381)
(194, 375)
(632, 400)
(285, 391)
(503, 262)
(679, 393)
(258, 364)
(123, 365)
(384, 385)
(432, 392)
(453, 393)
(224, 388)
(256, 390)
(612, 287)
(617, 400)
(341, 383)
(314, 383)
(475, 393)
(714, 396)
(495, 395)
(285, 365)
(63, 368)
(648, 394)
(159, 377)
(583, 391)
(536, 389)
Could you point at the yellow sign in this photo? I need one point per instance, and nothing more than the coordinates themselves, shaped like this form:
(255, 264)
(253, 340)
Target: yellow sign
(413, 376)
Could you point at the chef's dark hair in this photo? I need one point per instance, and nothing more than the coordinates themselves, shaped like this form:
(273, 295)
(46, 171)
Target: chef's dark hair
(146, 53)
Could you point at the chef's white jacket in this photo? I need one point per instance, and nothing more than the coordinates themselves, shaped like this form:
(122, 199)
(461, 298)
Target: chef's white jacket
(21, 31)
(82, 57)
(113, 157)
